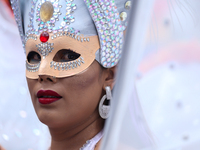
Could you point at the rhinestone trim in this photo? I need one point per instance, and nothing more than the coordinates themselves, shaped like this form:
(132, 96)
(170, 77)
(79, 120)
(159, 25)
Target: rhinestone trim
(43, 25)
(49, 26)
(110, 30)
(128, 5)
(33, 37)
(32, 67)
(61, 66)
(123, 16)
(69, 34)
(16, 10)
(45, 48)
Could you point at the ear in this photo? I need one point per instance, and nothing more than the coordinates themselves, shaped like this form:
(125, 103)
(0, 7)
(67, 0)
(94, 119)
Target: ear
(110, 77)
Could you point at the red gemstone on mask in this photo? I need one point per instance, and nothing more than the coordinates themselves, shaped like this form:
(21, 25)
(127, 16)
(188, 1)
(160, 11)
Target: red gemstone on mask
(44, 37)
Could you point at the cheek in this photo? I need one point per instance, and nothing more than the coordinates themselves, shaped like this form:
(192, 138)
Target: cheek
(85, 82)
(91, 83)
(83, 92)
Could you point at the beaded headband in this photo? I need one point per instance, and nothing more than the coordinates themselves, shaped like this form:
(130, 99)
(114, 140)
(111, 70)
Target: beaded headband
(49, 19)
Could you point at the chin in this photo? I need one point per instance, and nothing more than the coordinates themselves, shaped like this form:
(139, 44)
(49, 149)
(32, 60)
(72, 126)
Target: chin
(48, 118)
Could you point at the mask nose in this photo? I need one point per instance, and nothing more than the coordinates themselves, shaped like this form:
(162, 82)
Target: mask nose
(45, 68)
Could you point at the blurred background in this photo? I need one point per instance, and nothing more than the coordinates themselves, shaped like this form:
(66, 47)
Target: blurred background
(168, 75)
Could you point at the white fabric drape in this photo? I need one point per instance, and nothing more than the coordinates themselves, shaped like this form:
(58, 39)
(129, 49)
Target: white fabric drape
(164, 99)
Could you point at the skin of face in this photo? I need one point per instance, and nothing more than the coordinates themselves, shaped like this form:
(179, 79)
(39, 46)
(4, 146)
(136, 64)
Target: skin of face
(74, 118)
(80, 97)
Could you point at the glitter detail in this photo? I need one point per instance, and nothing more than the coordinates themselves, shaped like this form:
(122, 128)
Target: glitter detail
(33, 37)
(123, 16)
(66, 65)
(45, 48)
(107, 19)
(43, 24)
(71, 35)
(47, 13)
(128, 5)
(16, 10)
(70, 8)
(32, 67)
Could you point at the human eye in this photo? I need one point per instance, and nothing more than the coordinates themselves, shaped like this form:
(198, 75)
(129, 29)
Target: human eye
(33, 57)
(65, 55)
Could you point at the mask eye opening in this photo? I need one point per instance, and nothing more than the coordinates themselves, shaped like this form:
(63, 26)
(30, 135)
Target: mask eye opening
(66, 55)
(33, 57)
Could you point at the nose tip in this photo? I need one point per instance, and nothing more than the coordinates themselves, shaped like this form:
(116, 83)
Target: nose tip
(46, 78)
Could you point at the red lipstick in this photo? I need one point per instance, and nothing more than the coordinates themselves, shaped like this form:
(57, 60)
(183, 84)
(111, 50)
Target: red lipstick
(47, 96)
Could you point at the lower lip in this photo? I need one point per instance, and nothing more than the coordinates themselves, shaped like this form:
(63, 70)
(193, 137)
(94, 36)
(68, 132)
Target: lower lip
(47, 100)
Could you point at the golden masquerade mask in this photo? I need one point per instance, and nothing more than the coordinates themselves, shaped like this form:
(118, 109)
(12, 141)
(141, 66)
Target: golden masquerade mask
(60, 58)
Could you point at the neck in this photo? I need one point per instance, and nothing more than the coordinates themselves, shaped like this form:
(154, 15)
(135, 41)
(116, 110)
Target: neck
(73, 139)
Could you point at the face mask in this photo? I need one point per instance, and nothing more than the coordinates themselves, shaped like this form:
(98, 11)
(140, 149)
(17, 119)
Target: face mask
(61, 57)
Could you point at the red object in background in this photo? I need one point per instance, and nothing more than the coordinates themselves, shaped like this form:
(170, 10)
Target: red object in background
(44, 37)
(7, 2)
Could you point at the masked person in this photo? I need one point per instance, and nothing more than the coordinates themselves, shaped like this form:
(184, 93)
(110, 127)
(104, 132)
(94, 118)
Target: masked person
(72, 49)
